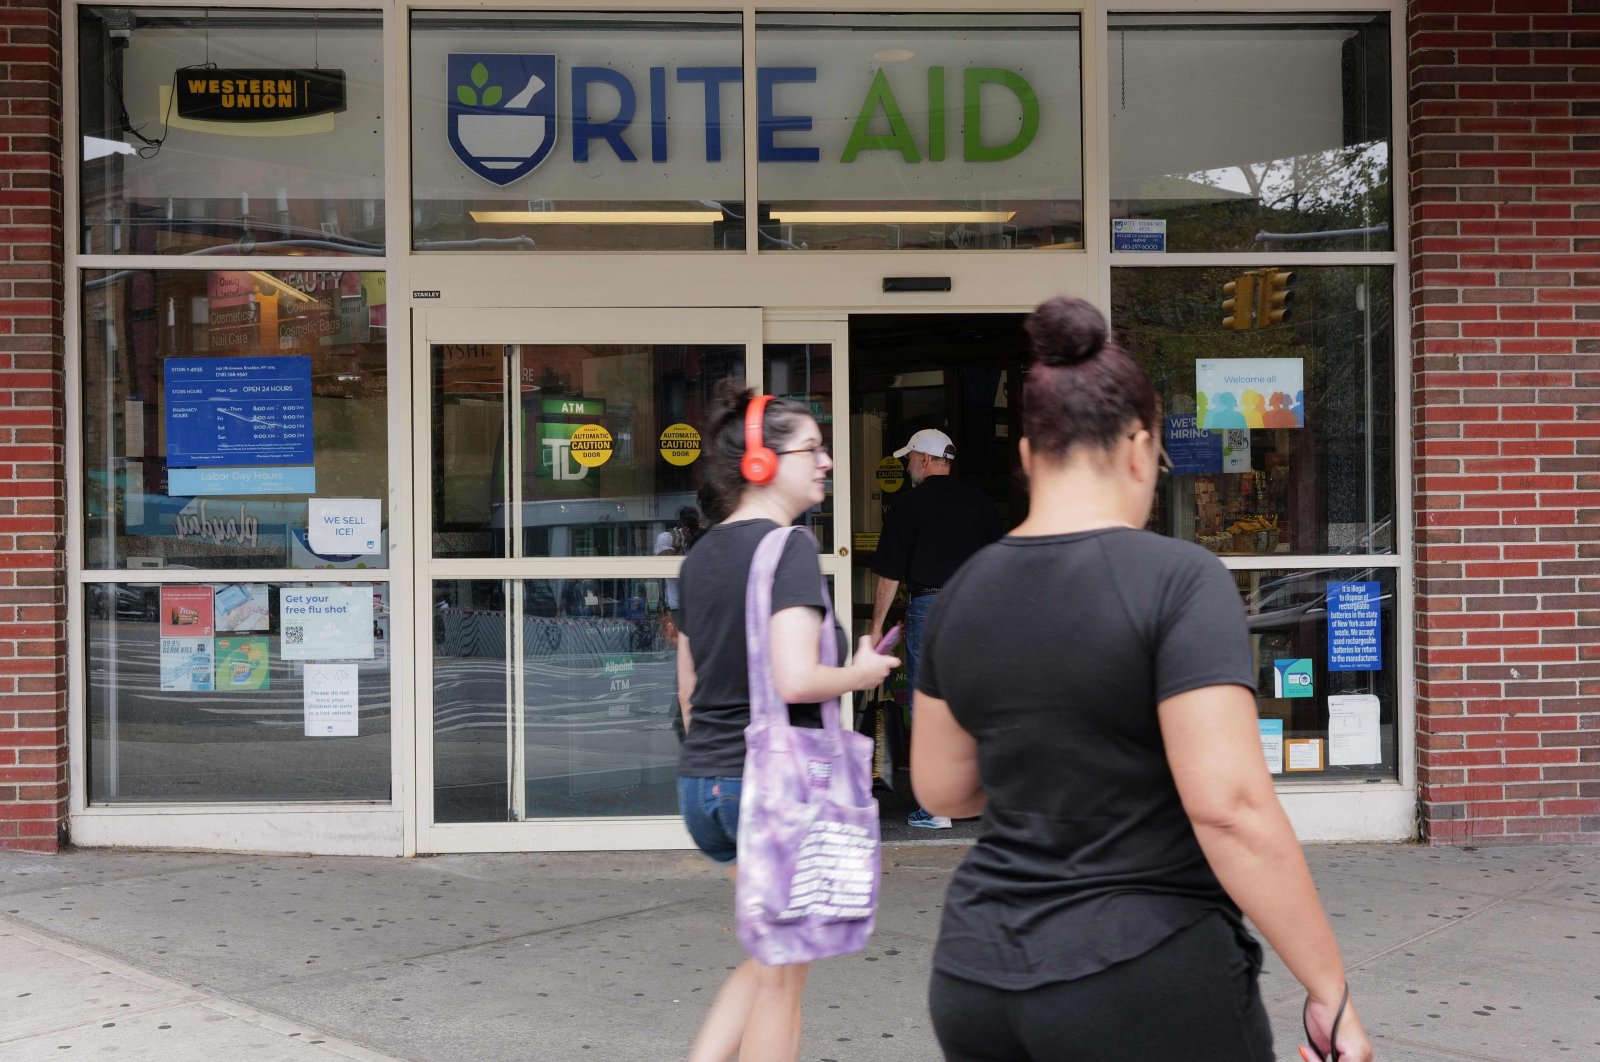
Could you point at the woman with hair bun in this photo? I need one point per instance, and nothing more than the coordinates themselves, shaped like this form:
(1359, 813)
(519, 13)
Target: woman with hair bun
(756, 1014)
(1087, 687)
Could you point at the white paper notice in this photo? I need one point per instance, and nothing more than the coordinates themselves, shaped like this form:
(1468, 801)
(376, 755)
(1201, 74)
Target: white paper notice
(345, 527)
(326, 622)
(1353, 730)
(333, 698)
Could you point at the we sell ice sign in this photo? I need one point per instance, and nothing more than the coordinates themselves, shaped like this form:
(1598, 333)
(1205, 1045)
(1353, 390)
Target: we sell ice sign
(345, 527)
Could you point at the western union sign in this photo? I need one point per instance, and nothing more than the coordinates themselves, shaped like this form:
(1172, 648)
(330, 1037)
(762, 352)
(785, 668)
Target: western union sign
(257, 95)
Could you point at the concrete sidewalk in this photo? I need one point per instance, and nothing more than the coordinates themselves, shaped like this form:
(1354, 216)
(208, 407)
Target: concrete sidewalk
(1492, 954)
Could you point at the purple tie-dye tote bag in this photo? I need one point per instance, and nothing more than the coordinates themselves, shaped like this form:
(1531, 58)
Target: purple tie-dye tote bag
(808, 827)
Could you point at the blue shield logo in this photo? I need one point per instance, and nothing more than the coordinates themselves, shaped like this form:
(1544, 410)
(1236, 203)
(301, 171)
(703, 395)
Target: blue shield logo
(502, 120)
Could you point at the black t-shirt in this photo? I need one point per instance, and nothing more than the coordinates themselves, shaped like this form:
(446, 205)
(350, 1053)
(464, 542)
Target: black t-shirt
(933, 530)
(711, 588)
(1053, 652)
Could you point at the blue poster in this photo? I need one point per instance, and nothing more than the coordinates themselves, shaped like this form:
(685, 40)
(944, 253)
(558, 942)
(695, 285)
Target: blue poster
(222, 482)
(1192, 450)
(238, 411)
(1355, 627)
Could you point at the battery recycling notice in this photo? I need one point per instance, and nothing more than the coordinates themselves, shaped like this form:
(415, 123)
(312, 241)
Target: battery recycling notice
(1355, 627)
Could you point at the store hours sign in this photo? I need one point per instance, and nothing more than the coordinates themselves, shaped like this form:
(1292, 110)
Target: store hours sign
(228, 418)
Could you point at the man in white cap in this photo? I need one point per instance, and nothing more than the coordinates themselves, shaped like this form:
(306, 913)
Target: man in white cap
(926, 536)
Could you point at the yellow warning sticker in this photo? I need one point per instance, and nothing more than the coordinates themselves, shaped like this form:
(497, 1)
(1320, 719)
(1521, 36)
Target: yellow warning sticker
(680, 444)
(891, 475)
(865, 541)
(591, 445)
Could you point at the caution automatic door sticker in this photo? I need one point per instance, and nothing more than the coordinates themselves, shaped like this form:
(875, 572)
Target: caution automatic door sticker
(591, 446)
(891, 475)
(680, 444)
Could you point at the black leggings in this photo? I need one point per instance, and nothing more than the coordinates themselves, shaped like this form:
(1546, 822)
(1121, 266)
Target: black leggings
(1194, 997)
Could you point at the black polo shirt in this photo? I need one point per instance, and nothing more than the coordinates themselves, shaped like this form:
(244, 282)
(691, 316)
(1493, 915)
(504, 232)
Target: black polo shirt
(933, 530)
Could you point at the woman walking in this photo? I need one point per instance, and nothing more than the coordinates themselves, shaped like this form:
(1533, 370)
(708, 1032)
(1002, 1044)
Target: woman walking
(766, 465)
(1087, 686)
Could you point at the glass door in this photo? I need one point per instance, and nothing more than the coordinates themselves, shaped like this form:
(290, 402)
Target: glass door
(561, 449)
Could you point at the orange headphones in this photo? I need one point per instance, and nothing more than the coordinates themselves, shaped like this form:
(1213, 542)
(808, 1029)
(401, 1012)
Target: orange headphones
(759, 464)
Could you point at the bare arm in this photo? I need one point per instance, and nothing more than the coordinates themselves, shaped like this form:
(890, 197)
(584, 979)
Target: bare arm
(686, 678)
(944, 762)
(801, 678)
(883, 598)
(1214, 750)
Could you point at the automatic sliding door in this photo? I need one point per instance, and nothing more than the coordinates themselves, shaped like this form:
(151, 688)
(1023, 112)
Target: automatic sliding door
(559, 467)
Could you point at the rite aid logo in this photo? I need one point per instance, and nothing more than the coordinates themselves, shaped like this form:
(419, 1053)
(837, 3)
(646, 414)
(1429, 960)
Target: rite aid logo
(502, 118)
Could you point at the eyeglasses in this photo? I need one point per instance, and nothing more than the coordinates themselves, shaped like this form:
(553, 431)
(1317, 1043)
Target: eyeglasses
(814, 449)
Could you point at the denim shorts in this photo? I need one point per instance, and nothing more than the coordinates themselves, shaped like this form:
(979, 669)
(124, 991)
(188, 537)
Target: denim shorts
(710, 809)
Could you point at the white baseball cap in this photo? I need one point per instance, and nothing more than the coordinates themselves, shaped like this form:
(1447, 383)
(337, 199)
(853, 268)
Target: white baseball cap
(930, 441)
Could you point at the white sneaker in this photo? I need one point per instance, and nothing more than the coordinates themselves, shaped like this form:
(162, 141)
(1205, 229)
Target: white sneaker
(923, 819)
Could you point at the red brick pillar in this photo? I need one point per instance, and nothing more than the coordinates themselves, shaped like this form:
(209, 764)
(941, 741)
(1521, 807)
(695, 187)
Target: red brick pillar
(33, 670)
(1505, 242)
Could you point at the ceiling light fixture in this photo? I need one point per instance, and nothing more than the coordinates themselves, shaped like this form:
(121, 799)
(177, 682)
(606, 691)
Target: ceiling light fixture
(596, 217)
(889, 217)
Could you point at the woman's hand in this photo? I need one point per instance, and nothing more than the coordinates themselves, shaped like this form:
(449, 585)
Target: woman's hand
(1353, 1043)
(871, 667)
(800, 677)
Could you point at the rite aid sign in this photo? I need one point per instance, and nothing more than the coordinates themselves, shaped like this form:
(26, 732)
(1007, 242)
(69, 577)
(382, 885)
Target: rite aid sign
(633, 118)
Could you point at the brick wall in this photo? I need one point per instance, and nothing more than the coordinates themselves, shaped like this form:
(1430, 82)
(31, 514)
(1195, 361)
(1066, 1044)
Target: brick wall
(33, 740)
(1505, 242)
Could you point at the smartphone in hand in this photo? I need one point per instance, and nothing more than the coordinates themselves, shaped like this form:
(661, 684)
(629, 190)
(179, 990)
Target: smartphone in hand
(890, 639)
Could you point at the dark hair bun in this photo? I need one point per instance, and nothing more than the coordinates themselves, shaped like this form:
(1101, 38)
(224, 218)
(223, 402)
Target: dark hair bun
(1065, 331)
(730, 395)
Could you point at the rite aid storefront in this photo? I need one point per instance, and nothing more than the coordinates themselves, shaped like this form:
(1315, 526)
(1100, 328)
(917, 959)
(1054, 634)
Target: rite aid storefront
(393, 329)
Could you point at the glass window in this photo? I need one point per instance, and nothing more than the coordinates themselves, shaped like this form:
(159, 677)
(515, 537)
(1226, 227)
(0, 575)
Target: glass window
(1280, 431)
(608, 445)
(599, 693)
(944, 131)
(231, 130)
(804, 372)
(471, 702)
(577, 131)
(231, 692)
(601, 686)
(218, 405)
(1250, 132)
(1323, 645)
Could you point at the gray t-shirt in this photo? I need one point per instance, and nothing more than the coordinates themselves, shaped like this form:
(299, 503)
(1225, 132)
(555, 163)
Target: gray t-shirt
(1053, 652)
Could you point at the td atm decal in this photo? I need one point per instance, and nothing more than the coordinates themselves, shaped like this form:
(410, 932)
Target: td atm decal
(502, 113)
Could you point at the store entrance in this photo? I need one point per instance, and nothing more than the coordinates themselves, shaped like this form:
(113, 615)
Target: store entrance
(961, 374)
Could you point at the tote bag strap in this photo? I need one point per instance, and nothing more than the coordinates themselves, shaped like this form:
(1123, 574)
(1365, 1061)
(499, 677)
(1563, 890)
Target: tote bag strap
(767, 706)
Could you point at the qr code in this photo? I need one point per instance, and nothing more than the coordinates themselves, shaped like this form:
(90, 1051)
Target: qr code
(294, 636)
